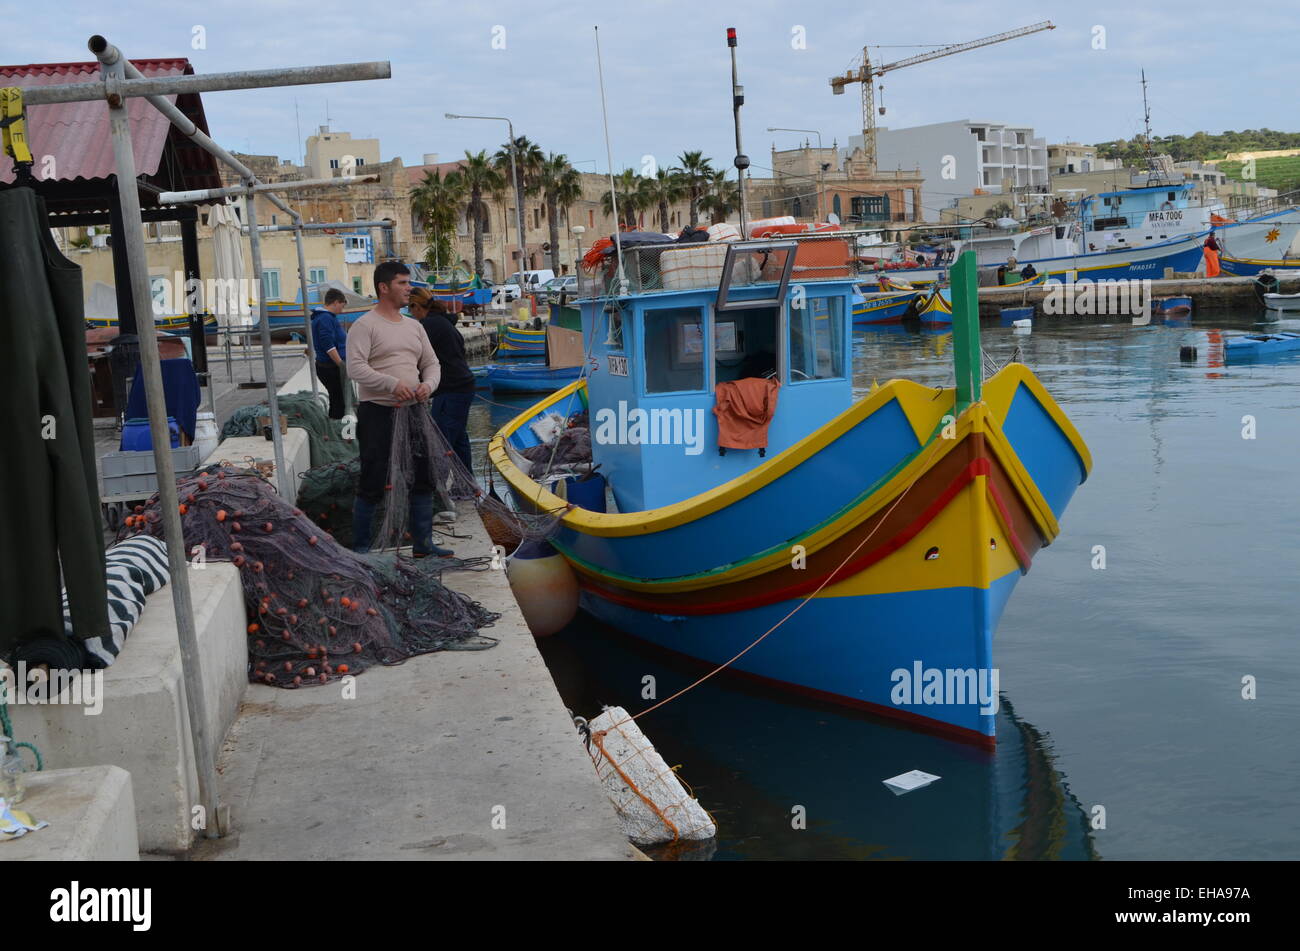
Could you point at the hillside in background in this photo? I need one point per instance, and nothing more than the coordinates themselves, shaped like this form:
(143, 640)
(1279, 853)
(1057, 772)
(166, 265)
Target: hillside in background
(1200, 146)
(1282, 173)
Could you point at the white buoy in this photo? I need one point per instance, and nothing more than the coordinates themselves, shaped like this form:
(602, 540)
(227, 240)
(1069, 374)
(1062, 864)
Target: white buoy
(1027, 322)
(545, 587)
(652, 804)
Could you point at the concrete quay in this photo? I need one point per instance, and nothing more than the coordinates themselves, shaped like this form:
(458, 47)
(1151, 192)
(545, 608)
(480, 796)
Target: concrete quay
(453, 755)
(1204, 291)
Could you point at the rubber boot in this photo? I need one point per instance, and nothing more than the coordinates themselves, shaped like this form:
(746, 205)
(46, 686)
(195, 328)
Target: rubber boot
(363, 514)
(422, 528)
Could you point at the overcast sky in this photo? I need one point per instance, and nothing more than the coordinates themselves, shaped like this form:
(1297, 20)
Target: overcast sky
(667, 71)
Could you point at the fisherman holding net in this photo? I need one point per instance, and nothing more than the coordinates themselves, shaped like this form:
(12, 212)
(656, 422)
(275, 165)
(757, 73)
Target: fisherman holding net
(394, 366)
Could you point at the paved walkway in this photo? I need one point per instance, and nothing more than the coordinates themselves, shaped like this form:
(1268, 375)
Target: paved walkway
(454, 755)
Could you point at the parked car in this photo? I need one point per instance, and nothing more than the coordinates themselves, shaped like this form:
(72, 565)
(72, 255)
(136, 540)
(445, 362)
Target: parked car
(566, 284)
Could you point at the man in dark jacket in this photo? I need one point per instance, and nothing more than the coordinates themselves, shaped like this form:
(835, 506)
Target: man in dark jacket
(455, 393)
(330, 343)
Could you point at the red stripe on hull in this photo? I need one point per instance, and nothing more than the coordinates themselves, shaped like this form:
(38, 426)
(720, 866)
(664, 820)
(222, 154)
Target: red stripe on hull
(976, 467)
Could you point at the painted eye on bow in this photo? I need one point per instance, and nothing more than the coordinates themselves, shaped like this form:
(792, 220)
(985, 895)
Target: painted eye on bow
(993, 544)
(932, 554)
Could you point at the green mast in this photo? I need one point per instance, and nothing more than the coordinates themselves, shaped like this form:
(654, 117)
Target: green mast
(967, 359)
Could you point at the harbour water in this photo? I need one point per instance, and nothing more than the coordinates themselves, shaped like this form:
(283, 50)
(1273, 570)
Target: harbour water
(1127, 728)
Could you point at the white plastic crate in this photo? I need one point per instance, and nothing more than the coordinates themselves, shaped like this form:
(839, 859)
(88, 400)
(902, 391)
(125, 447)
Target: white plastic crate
(692, 265)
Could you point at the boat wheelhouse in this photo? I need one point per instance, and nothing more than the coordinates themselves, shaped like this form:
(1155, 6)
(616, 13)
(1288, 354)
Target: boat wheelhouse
(860, 541)
(1143, 215)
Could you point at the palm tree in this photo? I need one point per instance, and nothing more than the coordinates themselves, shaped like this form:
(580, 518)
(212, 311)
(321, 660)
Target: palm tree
(721, 197)
(696, 173)
(661, 191)
(560, 185)
(436, 203)
(527, 164)
(479, 177)
(630, 198)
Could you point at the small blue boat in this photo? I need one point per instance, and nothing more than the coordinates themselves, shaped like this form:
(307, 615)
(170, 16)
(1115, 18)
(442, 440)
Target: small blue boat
(1009, 315)
(1253, 346)
(1171, 306)
(530, 377)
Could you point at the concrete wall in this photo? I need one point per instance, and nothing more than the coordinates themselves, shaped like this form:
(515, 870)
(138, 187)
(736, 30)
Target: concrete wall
(143, 726)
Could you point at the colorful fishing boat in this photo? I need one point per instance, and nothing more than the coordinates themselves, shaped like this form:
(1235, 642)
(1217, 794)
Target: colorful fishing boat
(457, 285)
(887, 308)
(520, 342)
(936, 306)
(865, 553)
(173, 322)
(529, 377)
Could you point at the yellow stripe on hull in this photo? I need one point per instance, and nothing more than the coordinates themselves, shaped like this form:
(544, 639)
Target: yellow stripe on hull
(965, 557)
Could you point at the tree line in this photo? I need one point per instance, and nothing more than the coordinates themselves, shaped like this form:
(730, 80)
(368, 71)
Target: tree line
(439, 201)
(1199, 146)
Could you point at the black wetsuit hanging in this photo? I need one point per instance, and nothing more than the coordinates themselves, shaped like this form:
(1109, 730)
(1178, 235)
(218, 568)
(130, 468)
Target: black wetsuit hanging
(47, 479)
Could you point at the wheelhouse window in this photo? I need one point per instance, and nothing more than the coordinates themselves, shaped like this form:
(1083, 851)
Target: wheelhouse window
(744, 343)
(674, 350)
(817, 339)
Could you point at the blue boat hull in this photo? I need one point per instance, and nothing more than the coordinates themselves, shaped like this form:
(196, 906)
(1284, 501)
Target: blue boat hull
(530, 378)
(1257, 346)
(847, 649)
(1183, 254)
(883, 310)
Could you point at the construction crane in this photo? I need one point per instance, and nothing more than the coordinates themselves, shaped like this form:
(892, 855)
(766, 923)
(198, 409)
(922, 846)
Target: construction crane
(866, 74)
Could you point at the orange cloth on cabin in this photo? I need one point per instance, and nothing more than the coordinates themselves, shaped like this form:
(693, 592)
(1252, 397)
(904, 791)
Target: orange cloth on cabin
(744, 409)
(1211, 262)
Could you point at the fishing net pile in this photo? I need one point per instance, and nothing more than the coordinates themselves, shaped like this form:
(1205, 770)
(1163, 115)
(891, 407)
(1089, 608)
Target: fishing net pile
(305, 411)
(326, 494)
(316, 610)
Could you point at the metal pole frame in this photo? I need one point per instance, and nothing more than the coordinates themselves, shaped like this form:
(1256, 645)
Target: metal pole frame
(268, 362)
(306, 314)
(113, 66)
(120, 80)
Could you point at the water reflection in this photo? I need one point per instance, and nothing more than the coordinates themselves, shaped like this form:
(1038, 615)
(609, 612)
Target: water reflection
(754, 758)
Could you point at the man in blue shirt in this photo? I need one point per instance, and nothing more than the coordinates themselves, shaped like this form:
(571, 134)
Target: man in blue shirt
(331, 347)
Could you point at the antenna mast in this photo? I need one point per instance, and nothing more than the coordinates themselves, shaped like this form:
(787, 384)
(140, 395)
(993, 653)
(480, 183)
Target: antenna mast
(1154, 174)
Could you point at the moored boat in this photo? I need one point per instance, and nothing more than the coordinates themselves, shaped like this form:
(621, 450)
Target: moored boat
(886, 308)
(936, 306)
(1282, 302)
(529, 377)
(1252, 346)
(857, 551)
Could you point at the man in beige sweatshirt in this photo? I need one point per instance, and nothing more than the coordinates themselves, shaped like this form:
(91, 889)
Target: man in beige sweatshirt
(393, 364)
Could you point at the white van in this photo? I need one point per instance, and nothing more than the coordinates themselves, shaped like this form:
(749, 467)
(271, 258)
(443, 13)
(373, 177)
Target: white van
(533, 281)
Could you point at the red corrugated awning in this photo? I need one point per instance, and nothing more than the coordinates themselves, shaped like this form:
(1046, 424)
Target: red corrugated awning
(71, 140)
